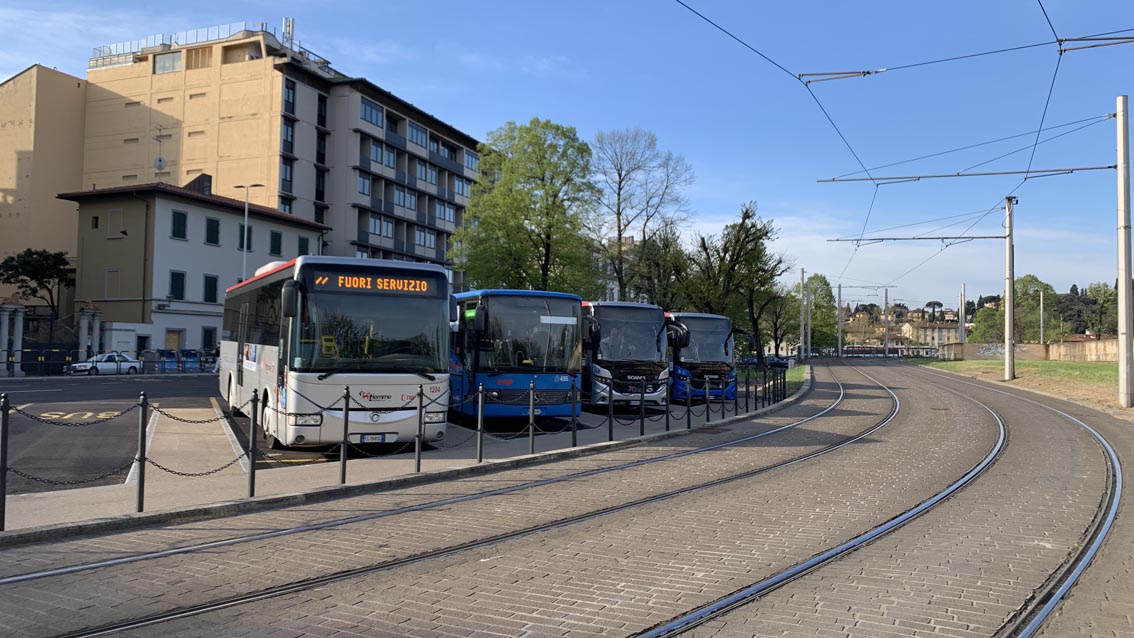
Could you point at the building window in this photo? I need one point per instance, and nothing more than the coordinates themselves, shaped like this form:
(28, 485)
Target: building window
(432, 145)
(285, 175)
(275, 243)
(426, 238)
(364, 185)
(94, 222)
(200, 58)
(411, 199)
(459, 186)
(375, 152)
(391, 157)
(417, 135)
(320, 185)
(176, 285)
(289, 97)
(321, 115)
(212, 231)
(399, 196)
(209, 338)
(115, 224)
(448, 152)
(211, 288)
(472, 160)
(304, 247)
(288, 137)
(321, 148)
(179, 227)
(371, 112)
(432, 173)
(285, 204)
(421, 170)
(362, 253)
(167, 62)
(445, 212)
(240, 239)
(387, 228)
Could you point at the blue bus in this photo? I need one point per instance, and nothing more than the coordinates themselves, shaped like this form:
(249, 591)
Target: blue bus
(704, 366)
(626, 352)
(508, 339)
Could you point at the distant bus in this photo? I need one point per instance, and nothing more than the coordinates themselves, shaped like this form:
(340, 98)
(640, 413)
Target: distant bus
(704, 367)
(509, 339)
(297, 332)
(626, 352)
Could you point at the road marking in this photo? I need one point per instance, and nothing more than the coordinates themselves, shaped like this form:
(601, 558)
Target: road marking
(132, 477)
(227, 427)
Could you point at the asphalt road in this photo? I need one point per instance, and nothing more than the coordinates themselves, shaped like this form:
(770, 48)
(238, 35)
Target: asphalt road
(79, 455)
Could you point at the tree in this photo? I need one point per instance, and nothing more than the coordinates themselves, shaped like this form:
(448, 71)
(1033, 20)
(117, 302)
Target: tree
(660, 258)
(718, 266)
(1027, 309)
(988, 325)
(37, 274)
(823, 328)
(781, 318)
(933, 306)
(1102, 309)
(637, 183)
(525, 222)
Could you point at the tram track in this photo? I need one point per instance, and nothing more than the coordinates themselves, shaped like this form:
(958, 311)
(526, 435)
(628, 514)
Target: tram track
(322, 580)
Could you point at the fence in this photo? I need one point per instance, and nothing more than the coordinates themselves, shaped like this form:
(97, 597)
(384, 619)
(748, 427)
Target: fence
(762, 387)
(59, 361)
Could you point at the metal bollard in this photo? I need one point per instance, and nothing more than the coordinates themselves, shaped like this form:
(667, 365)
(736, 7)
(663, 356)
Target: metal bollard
(346, 435)
(642, 410)
(689, 403)
(747, 388)
(665, 402)
(480, 424)
(420, 428)
(764, 386)
(252, 426)
(736, 396)
(708, 401)
(610, 410)
(531, 417)
(141, 458)
(574, 414)
(4, 410)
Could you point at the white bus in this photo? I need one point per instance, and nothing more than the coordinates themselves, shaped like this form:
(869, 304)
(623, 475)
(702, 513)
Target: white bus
(297, 332)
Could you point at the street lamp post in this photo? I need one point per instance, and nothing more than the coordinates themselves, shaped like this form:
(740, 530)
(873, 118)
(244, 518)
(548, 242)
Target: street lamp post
(244, 252)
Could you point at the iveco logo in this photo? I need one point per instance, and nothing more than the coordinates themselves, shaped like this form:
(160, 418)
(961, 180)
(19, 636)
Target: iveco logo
(375, 417)
(635, 377)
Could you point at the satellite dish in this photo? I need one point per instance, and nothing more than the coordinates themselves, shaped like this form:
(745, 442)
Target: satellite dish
(159, 163)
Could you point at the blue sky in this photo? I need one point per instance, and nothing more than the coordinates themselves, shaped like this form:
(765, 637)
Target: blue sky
(750, 130)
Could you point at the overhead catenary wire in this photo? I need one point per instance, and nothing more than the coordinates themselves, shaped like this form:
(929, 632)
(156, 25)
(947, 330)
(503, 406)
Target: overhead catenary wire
(1048, 18)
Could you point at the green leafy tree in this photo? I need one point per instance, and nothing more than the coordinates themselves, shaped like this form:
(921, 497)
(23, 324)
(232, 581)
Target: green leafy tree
(38, 274)
(525, 222)
(718, 266)
(1027, 310)
(660, 258)
(1102, 309)
(988, 326)
(780, 319)
(824, 330)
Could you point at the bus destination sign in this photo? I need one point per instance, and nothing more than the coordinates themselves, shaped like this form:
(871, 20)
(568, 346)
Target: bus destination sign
(377, 283)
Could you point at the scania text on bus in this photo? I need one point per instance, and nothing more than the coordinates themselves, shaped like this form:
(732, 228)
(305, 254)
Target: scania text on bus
(299, 332)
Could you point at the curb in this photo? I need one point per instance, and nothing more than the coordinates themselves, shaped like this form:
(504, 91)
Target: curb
(224, 509)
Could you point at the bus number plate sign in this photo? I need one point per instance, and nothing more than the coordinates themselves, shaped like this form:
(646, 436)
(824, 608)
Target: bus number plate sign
(373, 438)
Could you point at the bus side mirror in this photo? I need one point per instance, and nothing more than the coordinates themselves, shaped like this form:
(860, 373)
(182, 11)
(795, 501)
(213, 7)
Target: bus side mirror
(589, 326)
(453, 309)
(289, 298)
(480, 320)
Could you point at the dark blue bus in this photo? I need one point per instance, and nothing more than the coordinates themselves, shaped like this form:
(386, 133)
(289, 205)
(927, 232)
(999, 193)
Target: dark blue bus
(509, 339)
(704, 367)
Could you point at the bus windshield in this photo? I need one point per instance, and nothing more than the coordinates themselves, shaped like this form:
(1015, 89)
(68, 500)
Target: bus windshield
(344, 331)
(532, 334)
(710, 340)
(631, 333)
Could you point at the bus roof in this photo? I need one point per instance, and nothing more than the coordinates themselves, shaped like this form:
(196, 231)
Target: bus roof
(622, 304)
(702, 315)
(323, 260)
(504, 292)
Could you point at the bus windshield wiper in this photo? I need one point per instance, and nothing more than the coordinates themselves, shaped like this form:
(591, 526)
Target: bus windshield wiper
(331, 371)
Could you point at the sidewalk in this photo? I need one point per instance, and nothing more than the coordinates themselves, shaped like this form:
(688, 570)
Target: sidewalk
(187, 447)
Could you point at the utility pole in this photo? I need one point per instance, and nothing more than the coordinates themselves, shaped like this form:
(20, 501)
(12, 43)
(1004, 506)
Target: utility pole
(1009, 289)
(1042, 340)
(1125, 319)
(962, 317)
(809, 301)
(839, 316)
(802, 352)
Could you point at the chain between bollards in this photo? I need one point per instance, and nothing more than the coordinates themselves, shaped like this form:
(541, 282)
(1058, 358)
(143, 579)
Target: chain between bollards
(4, 411)
(531, 417)
(143, 417)
(480, 423)
(252, 426)
(420, 428)
(343, 447)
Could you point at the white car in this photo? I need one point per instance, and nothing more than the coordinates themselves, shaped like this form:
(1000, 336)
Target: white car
(109, 363)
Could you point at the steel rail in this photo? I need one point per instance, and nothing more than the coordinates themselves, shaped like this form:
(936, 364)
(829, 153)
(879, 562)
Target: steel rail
(299, 529)
(746, 595)
(320, 581)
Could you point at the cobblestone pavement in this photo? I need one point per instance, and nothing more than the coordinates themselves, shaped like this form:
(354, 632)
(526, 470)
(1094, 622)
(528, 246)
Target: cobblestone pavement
(622, 573)
(963, 569)
(69, 602)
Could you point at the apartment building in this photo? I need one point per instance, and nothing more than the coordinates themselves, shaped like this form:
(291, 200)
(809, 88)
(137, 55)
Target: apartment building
(249, 106)
(156, 259)
(41, 154)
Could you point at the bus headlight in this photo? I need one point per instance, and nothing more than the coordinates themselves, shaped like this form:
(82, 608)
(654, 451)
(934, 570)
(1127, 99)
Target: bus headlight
(305, 419)
(434, 417)
(664, 375)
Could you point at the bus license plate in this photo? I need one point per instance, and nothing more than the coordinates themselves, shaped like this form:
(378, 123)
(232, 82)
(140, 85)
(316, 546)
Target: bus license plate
(373, 438)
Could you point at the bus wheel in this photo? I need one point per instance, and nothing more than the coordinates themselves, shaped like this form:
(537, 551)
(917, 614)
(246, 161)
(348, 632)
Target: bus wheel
(232, 407)
(272, 442)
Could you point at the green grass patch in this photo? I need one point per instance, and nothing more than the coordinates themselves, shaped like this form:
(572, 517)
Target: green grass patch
(1084, 372)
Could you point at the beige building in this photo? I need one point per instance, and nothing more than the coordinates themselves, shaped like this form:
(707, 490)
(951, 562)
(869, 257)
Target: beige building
(156, 260)
(41, 154)
(247, 106)
(931, 333)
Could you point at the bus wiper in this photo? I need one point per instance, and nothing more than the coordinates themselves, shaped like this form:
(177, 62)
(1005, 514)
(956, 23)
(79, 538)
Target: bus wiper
(330, 372)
